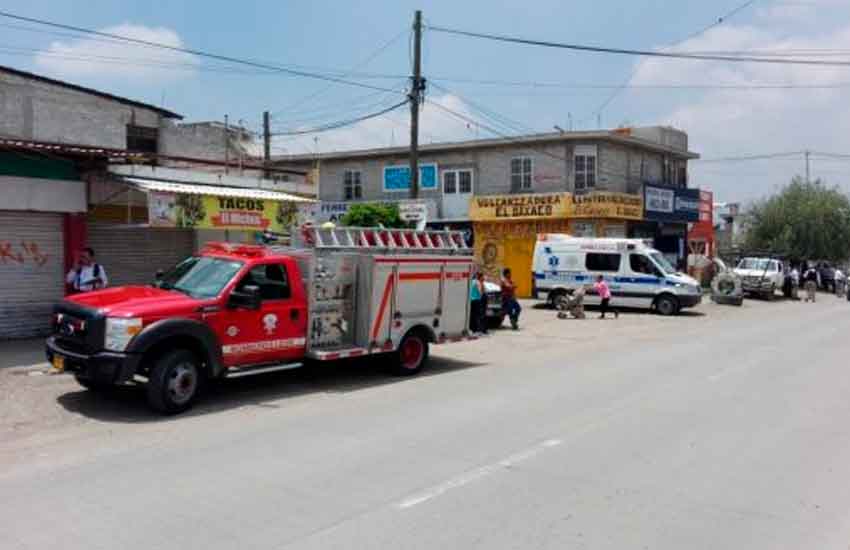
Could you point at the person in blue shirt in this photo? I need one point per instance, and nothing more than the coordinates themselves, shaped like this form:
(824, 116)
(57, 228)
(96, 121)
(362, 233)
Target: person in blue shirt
(476, 301)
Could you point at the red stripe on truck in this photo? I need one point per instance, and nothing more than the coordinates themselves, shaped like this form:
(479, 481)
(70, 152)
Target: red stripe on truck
(384, 299)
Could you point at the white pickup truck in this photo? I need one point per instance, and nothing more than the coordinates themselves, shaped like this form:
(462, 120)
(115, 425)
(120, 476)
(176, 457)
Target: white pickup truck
(761, 276)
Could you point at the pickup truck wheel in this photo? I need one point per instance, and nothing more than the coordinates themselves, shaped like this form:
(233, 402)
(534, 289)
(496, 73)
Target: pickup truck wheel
(666, 305)
(412, 354)
(174, 382)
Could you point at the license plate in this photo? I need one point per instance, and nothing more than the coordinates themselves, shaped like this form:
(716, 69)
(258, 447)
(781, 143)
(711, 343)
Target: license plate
(58, 363)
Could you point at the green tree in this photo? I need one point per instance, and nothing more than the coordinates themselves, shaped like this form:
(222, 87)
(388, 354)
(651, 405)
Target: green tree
(804, 220)
(372, 215)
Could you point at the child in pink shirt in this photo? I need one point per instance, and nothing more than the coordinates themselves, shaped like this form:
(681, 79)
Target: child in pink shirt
(601, 288)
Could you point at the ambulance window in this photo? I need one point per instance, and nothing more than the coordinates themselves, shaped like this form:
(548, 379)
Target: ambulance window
(641, 264)
(602, 262)
(272, 280)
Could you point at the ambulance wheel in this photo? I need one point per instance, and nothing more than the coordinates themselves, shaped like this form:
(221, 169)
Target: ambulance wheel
(412, 353)
(666, 305)
(174, 382)
(556, 298)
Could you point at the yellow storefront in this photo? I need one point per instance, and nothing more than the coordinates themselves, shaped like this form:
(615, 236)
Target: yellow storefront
(506, 226)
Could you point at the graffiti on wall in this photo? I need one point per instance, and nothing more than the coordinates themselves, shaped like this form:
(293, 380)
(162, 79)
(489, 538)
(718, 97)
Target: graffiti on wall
(22, 254)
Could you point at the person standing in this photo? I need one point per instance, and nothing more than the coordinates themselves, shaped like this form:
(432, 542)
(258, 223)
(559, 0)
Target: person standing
(476, 291)
(482, 312)
(87, 274)
(601, 288)
(795, 283)
(811, 283)
(509, 303)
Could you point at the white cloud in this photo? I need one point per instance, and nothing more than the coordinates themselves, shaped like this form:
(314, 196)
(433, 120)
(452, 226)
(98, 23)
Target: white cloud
(724, 122)
(103, 57)
(391, 129)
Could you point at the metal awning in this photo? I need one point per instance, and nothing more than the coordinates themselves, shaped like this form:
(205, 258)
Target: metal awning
(214, 190)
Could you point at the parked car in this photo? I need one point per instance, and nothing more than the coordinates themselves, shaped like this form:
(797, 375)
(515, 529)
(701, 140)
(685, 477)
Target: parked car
(761, 276)
(826, 274)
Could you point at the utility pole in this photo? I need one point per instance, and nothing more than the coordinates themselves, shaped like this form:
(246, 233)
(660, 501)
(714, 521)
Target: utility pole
(417, 86)
(808, 171)
(267, 142)
(226, 145)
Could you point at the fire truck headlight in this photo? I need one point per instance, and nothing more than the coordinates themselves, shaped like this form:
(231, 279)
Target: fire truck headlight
(119, 332)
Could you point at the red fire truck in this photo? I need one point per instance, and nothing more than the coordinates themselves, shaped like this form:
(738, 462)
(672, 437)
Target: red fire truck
(237, 310)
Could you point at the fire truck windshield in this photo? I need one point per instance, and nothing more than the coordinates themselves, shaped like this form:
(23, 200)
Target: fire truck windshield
(200, 276)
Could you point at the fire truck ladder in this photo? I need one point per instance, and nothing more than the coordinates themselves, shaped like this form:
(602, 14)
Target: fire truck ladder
(408, 241)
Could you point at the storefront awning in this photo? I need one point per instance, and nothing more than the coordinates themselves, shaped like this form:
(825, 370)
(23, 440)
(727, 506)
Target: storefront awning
(214, 190)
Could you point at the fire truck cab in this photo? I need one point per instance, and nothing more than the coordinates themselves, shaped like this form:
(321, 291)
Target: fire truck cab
(238, 310)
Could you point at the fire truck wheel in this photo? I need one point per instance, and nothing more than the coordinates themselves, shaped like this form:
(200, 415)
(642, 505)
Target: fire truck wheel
(412, 353)
(174, 382)
(93, 385)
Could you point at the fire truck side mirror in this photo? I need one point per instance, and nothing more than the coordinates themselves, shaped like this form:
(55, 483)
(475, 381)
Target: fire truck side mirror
(248, 298)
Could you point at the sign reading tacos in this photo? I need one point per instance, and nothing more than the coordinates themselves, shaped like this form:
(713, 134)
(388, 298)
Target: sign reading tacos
(210, 212)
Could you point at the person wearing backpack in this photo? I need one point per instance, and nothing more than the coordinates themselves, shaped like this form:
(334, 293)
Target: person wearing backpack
(86, 275)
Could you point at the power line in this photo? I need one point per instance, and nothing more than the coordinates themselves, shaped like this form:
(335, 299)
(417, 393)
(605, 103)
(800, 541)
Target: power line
(744, 158)
(192, 51)
(360, 65)
(700, 32)
(581, 86)
(342, 123)
(644, 53)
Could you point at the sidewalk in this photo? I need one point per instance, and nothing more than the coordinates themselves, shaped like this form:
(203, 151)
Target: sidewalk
(22, 353)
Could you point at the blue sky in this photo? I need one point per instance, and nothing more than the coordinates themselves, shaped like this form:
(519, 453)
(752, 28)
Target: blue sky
(320, 36)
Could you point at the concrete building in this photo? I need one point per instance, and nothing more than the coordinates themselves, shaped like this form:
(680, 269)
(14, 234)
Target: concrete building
(506, 191)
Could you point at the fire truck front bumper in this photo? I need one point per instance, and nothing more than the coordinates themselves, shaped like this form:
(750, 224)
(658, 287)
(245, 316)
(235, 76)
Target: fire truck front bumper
(103, 367)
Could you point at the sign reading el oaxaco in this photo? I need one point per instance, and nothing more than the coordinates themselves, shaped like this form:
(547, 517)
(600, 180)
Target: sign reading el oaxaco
(506, 226)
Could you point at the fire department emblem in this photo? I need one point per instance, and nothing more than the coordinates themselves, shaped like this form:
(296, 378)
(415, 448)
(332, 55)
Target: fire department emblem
(270, 323)
(232, 331)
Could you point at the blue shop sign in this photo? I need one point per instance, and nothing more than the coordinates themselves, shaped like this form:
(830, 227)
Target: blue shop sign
(670, 204)
(397, 178)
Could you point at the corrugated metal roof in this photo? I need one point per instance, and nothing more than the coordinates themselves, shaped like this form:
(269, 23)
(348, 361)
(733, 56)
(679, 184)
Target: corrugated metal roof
(215, 190)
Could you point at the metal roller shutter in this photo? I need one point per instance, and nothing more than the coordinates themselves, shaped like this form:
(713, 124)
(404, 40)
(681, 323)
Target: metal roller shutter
(133, 255)
(32, 266)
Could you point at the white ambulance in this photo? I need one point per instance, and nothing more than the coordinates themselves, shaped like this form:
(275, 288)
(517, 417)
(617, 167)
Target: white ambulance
(638, 275)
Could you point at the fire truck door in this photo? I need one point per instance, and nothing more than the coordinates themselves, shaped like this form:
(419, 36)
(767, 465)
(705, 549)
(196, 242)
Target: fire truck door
(273, 333)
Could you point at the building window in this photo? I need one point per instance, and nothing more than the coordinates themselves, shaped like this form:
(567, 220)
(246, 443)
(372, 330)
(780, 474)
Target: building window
(457, 182)
(142, 139)
(521, 170)
(584, 160)
(352, 185)
(683, 175)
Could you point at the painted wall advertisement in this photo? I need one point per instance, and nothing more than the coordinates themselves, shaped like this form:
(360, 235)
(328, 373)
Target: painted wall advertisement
(669, 204)
(620, 206)
(519, 207)
(208, 212)
(397, 178)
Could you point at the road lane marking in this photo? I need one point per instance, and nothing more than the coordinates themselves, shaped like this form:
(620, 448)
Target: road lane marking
(478, 473)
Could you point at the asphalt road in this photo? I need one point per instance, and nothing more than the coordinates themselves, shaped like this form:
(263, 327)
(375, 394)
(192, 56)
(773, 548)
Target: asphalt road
(725, 428)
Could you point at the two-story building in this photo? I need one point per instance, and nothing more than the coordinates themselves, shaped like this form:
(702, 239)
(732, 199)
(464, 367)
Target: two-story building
(507, 190)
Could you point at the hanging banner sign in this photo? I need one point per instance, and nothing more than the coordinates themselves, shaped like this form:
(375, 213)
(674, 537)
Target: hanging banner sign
(208, 212)
(671, 204)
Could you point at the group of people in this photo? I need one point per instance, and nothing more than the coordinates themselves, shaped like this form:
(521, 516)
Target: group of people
(510, 306)
(478, 302)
